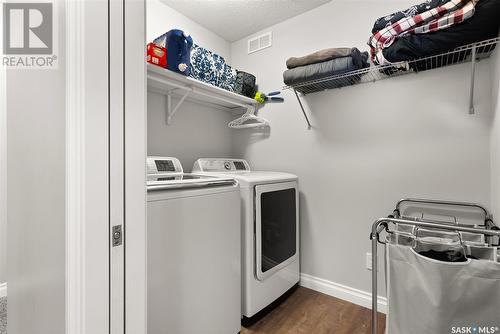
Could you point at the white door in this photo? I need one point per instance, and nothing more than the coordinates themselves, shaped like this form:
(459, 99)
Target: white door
(127, 166)
(127, 99)
(116, 165)
(80, 177)
(134, 127)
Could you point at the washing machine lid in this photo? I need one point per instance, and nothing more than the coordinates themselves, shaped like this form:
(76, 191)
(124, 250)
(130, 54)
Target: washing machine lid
(167, 173)
(185, 181)
(239, 169)
(254, 178)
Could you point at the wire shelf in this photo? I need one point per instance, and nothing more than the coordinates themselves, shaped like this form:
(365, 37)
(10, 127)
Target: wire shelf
(463, 54)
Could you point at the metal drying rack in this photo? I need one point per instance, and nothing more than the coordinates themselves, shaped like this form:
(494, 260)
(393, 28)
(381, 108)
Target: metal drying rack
(467, 53)
(382, 224)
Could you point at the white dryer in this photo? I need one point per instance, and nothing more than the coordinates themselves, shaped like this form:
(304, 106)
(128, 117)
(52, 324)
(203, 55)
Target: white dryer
(193, 261)
(270, 230)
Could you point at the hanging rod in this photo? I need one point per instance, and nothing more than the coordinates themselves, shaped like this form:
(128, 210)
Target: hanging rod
(382, 224)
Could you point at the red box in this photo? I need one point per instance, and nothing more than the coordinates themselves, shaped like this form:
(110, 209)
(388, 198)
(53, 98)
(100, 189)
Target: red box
(157, 55)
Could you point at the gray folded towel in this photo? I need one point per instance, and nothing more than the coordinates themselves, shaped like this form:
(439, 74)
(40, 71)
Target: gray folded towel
(318, 57)
(298, 75)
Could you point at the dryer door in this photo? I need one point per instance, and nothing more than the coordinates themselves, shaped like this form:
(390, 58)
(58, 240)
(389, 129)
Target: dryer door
(276, 227)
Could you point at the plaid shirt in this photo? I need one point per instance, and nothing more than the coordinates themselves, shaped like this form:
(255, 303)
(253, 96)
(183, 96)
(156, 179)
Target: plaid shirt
(441, 17)
(443, 22)
(447, 20)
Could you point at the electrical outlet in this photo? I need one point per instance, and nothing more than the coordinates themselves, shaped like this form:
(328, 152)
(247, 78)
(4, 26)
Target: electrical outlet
(369, 261)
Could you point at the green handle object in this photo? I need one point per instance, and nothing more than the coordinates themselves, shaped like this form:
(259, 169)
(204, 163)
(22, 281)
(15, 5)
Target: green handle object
(271, 97)
(260, 97)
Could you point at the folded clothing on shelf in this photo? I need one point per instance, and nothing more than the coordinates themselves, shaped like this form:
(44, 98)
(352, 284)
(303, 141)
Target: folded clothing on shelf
(178, 45)
(357, 60)
(211, 68)
(387, 20)
(442, 17)
(485, 24)
(318, 57)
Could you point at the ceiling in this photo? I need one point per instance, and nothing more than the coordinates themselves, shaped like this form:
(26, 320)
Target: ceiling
(235, 19)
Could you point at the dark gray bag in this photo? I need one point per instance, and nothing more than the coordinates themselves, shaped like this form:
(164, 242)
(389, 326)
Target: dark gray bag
(245, 84)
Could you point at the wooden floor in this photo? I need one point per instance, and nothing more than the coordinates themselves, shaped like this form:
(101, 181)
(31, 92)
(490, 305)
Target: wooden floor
(309, 312)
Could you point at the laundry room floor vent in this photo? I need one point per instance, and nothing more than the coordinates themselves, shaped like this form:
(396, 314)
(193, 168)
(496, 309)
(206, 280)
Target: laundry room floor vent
(261, 42)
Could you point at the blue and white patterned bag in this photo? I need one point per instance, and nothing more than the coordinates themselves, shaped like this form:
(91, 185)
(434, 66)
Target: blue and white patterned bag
(227, 78)
(211, 68)
(203, 65)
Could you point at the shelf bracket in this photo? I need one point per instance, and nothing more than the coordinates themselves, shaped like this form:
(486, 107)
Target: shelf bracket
(472, 81)
(309, 126)
(171, 111)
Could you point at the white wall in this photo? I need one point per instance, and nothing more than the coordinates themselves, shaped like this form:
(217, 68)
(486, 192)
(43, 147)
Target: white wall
(196, 130)
(495, 136)
(3, 177)
(161, 18)
(36, 196)
(371, 144)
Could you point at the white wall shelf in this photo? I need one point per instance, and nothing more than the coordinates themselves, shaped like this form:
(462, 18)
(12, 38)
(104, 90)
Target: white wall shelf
(171, 84)
(467, 53)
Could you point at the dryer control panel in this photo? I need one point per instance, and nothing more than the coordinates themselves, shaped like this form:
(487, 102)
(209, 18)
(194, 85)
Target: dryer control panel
(221, 165)
(163, 165)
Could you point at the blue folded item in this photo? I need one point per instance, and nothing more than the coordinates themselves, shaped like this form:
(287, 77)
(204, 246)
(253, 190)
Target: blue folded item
(211, 68)
(178, 45)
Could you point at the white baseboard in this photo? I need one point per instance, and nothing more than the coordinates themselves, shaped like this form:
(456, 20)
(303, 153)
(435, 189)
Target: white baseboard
(343, 292)
(3, 289)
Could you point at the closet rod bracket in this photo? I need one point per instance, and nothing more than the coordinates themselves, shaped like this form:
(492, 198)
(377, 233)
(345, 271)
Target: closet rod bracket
(309, 126)
(472, 80)
(171, 110)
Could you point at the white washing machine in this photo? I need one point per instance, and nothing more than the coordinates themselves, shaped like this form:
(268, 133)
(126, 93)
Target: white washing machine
(194, 243)
(270, 230)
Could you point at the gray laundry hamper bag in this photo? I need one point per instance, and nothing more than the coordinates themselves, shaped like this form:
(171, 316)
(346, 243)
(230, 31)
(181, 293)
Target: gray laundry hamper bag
(427, 296)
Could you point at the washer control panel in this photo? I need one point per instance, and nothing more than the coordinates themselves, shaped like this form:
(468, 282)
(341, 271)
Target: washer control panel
(163, 165)
(221, 165)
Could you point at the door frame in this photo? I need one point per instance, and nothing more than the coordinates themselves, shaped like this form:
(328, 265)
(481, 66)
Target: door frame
(75, 170)
(94, 89)
(135, 127)
(3, 169)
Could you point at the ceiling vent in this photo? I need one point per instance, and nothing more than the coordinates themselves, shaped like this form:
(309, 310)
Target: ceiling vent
(261, 42)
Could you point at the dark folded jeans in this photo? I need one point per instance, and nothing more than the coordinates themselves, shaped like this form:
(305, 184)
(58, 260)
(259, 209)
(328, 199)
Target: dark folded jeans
(324, 70)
